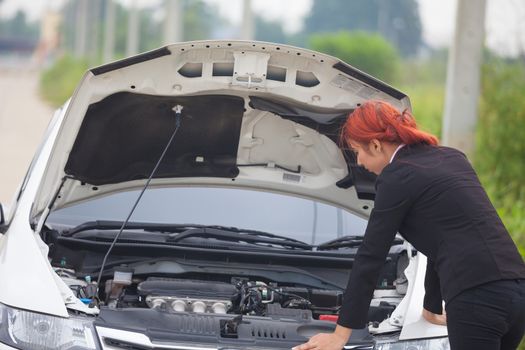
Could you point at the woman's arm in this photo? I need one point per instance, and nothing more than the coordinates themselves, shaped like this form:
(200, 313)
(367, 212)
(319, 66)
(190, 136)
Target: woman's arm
(439, 319)
(390, 208)
(391, 205)
(433, 300)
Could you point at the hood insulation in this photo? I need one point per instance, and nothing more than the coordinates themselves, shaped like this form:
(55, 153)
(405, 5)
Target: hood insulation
(123, 136)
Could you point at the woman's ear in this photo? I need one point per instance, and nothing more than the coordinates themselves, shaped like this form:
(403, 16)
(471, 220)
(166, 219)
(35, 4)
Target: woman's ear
(375, 146)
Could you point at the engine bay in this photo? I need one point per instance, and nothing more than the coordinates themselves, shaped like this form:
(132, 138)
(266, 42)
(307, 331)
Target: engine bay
(223, 294)
(271, 298)
(220, 280)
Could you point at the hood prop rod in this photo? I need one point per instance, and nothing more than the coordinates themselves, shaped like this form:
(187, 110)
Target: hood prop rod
(178, 112)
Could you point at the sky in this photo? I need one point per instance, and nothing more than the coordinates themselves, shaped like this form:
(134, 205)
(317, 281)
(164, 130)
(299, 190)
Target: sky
(504, 25)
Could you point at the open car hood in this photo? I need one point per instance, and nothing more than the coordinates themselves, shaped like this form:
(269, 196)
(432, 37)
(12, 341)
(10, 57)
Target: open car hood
(255, 115)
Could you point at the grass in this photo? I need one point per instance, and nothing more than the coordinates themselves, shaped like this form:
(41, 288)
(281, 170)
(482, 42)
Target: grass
(58, 82)
(427, 105)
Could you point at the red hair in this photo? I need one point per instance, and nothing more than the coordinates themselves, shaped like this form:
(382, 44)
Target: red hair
(382, 121)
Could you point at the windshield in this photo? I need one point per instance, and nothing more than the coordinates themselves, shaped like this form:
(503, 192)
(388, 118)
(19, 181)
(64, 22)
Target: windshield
(298, 218)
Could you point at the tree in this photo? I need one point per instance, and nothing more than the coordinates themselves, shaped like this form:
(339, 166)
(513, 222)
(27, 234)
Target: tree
(365, 51)
(397, 20)
(17, 27)
(199, 20)
(500, 142)
(271, 31)
(95, 21)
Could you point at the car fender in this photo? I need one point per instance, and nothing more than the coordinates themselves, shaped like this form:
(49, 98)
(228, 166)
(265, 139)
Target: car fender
(414, 325)
(27, 277)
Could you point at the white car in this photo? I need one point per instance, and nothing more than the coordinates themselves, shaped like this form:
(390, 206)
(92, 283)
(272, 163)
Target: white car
(198, 197)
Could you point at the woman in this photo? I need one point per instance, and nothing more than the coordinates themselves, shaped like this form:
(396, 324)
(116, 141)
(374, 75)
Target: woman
(432, 197)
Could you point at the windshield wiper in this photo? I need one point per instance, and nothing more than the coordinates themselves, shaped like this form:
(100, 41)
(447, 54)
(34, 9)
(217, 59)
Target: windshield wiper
(115, 225)
(238, 235)
(348, 242)
(179, 232)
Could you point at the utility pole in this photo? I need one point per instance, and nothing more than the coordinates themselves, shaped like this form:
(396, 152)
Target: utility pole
(94, 18)
(109, 32)
(463, 76)
(81, 28)
(248, 25)
(383, 18)
(132, 45)
(173, 21)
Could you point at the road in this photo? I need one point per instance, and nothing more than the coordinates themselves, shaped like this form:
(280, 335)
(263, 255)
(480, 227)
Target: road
(23, 119)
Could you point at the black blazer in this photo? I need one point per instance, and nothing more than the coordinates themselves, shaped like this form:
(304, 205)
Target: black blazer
(433, 198)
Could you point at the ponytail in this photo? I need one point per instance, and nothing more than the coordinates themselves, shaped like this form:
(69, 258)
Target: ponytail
(382, 121)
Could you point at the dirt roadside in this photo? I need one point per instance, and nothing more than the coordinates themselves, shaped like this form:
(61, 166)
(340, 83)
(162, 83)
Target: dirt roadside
(23, 120)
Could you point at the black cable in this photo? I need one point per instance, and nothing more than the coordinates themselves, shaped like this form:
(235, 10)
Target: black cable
(178, 111)
(286, 294)
(291, 295)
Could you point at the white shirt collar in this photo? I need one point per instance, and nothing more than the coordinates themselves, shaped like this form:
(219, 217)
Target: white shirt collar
(397, 149)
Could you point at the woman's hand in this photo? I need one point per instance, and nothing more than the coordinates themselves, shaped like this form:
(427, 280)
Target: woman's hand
(439, 319)
(327, 341)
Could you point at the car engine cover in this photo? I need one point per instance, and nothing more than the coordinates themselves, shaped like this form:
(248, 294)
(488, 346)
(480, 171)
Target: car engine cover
(180, 295)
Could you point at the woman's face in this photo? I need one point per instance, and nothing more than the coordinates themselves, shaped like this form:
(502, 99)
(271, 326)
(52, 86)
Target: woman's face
(372, 157)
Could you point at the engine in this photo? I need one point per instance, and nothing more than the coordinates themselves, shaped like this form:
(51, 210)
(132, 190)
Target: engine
(181, 295)
(239, 296)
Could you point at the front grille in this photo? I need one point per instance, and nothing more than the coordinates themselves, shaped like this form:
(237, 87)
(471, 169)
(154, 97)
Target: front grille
(117, 339)
(120, 344)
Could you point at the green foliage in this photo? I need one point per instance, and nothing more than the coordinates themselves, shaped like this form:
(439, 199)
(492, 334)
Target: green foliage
(423, 80)
(397, 20)
(271, 31)
(500, 148)
(95, 26)
(58, 82)
(199, 20)
(427, 105)
(149, 30)
(432, 70)
(368, 52)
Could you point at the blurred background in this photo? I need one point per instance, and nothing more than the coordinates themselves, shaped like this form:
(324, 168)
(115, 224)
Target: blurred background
(461, 62)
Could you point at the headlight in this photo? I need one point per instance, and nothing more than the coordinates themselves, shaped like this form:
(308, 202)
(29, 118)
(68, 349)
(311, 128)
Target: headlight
(30, 330)
(422, 344)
